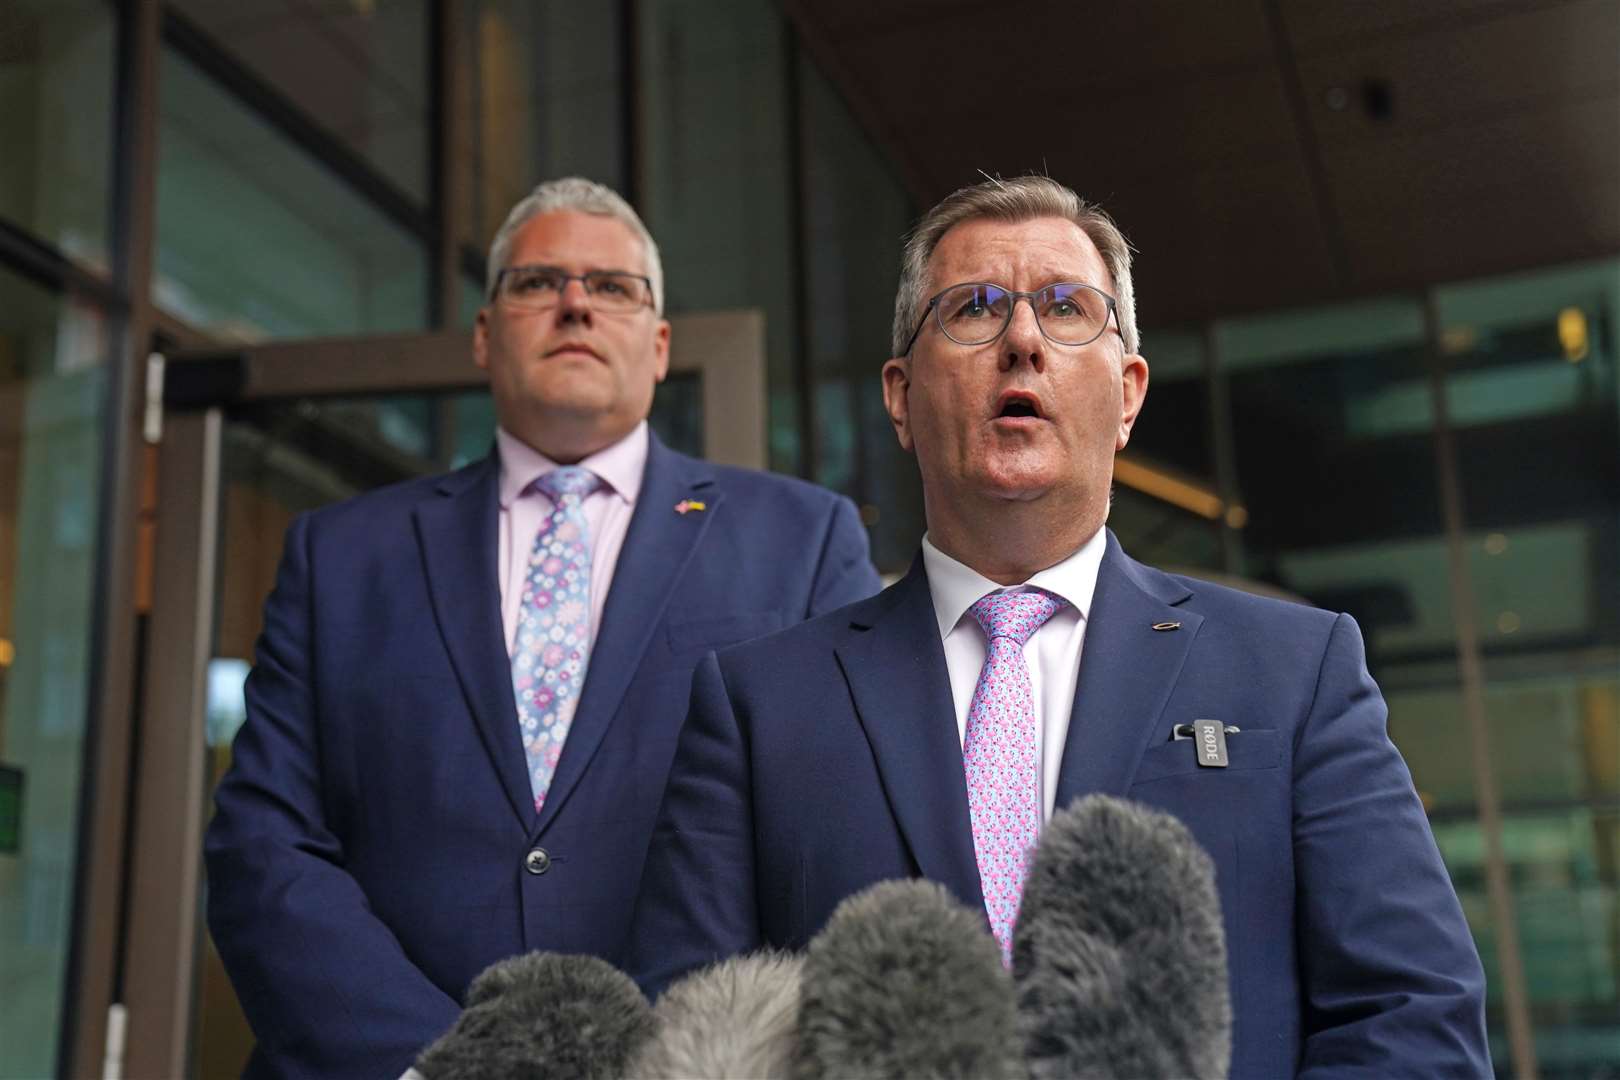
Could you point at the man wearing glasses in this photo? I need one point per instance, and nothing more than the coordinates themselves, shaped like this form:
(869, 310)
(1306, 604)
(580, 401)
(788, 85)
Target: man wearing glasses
(469, 687)
(1026, 661)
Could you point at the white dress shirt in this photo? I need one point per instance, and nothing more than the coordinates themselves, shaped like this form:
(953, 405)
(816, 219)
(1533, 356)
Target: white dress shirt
(524, 510)
(1052, 652)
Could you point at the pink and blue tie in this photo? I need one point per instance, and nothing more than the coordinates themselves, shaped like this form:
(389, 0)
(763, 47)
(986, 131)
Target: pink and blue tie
(553, 642)
(998, 753)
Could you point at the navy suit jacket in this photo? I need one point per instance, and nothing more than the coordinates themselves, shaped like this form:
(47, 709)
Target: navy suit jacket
(367, 857)
(820, 760)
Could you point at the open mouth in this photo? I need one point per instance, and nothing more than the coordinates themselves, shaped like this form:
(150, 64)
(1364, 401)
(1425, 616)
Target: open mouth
(1016, 405)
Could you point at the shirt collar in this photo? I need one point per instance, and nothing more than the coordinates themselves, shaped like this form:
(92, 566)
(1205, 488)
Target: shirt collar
(956, 586)
(620, 466)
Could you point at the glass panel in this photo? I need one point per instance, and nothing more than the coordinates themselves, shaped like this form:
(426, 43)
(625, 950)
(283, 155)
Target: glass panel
(677, 412)
(717, 176)
(1173, 429)
(1166, 535)
(857, 211)
(1562, 865)
(1531, 391)
(546, 100)
(474, 414)
(1298, 383)
(52, 411)
(472, 299)
(56, 94)
(257, 241)
(357, 70)
(1165, 489)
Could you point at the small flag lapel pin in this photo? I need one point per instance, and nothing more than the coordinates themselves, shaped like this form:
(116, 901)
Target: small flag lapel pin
(686, 505)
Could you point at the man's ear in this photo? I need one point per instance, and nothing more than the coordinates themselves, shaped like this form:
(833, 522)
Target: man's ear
(896, 391)
(481, 338)
(1133, 387)
(661, 351)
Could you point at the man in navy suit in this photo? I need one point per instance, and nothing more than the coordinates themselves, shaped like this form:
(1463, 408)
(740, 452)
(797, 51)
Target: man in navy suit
(469, 687)
(1026, 660)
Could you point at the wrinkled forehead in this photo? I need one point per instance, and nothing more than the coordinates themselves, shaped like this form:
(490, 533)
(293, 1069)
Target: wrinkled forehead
(1017, 254)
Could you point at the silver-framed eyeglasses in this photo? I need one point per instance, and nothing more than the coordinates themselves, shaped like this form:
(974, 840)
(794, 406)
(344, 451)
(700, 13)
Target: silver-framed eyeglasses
(540, 288)
(977, 312)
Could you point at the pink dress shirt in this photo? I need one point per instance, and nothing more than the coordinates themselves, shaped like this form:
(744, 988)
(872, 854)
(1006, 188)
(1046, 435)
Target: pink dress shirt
(607, 512)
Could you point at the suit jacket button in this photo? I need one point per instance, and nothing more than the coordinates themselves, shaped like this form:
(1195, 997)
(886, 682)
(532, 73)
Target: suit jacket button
(537, 861)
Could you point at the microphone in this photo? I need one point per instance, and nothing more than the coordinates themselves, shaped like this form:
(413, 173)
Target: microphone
(1119, 954)
(905, 981)
(737, 1018)
(543, 1015)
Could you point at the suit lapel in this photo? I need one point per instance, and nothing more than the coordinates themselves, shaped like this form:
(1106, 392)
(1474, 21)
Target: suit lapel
(456, 529)
(656, 550)
(1127, 670)
(897, 677)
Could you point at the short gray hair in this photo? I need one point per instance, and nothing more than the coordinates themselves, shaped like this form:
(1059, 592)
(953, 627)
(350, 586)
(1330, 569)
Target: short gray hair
(583, 197)
(1012, 201)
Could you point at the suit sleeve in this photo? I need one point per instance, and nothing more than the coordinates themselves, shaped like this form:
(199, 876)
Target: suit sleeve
(844, 572)
(325, 984)
(1392, 983)
(698, 903)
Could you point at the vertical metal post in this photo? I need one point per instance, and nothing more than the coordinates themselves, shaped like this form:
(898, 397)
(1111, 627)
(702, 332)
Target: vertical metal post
(450, 109)
(165, 879)
(804, 378)
(632, 110)
(98, 886)
(447, 186)
(1464, 615)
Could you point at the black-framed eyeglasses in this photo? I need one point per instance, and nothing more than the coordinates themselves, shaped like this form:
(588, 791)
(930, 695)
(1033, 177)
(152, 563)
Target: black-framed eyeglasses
(977, 312)
(540, 288)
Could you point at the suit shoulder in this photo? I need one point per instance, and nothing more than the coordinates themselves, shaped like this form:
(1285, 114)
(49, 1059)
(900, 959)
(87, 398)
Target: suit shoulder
(815, 636)
(1265, 613)
(382, 506)
(759, 485)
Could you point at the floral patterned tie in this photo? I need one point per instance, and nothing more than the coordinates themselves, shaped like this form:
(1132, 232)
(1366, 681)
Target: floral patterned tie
(553, 642)
(998, 753)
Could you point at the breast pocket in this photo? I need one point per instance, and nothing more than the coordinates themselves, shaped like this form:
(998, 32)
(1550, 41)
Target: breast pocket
(1253, 749)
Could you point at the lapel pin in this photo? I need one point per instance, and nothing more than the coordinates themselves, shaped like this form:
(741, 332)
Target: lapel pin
(1167, 626)
(690, 504)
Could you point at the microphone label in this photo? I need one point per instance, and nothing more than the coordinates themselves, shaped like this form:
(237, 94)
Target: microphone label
(1209, 742)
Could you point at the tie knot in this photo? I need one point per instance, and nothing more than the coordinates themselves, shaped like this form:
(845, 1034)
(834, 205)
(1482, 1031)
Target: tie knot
(567, 480)
(1015, 615)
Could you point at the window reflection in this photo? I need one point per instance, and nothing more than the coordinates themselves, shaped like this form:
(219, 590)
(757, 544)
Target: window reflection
(358, 71)
(257, 241)
(546, 100)
(56, 95)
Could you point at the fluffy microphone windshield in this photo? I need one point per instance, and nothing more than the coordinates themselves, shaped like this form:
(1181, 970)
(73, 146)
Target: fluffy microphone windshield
(1119, 955)
(902, 982)
(543, 1015)
(738, 1018)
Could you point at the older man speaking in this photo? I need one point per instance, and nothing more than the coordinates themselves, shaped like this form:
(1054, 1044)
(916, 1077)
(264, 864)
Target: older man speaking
(1026, 660)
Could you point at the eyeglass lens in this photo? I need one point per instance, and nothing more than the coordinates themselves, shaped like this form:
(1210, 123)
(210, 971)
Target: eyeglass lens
(1069, 313)
(542, 287)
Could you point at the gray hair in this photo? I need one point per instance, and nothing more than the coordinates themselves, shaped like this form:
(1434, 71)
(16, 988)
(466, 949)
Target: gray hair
(1012, 201)
(583, 197)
